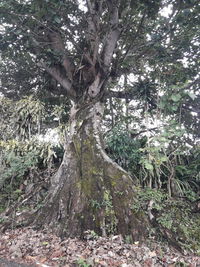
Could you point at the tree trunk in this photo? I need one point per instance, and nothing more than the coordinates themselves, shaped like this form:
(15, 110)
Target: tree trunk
(90, 191)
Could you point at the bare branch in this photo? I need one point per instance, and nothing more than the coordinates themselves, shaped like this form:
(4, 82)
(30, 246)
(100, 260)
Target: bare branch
(93, 21)
(89, 6)
(55, 73)
(113, 35)
(58, 45)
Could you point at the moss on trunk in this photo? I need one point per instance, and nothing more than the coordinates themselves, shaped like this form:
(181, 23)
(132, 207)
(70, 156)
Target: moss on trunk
(90, 191)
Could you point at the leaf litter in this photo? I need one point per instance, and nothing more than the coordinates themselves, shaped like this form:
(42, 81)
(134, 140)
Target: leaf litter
(45, 249)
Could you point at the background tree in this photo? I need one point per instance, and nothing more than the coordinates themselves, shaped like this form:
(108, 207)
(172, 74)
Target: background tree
(87, 48)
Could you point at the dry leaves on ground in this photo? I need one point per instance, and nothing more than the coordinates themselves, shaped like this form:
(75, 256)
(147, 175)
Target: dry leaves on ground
(43, 248)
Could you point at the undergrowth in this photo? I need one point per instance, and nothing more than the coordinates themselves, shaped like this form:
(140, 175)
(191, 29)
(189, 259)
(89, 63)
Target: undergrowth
(178, 216)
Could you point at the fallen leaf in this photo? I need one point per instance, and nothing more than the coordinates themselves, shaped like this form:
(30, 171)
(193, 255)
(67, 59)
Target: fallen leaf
(152, 254)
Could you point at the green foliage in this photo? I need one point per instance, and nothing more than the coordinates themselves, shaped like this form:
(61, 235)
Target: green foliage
(178, 216)
(82, 263)
(20, 160)
(106, 206)
(158, 162)
(172, 214)
(146, 195)
(163, 161)
(17, 166)
(123, 149)
(23, 152)
(27, 119)
(128, 239)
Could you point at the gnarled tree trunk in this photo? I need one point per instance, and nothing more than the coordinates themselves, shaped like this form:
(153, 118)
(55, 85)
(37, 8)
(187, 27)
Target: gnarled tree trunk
(90, 191)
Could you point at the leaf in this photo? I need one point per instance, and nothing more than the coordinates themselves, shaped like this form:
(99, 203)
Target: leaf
(163, 159)
(174, 108)
(57, 19)
(152, 254)
(45, 243)
(18, 31)
(191, 95)
(148, 166)
(176, 97)
(42, 260)
(162, 139)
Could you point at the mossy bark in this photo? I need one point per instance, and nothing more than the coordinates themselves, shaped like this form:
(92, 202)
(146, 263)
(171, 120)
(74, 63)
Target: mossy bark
(90, 191)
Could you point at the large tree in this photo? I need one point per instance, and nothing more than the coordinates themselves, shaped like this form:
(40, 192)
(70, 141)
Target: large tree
(86, 48)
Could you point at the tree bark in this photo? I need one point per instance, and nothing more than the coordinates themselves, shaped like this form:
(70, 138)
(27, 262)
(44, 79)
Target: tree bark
(90, 191)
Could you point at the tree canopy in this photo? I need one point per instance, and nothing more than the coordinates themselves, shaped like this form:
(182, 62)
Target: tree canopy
(154, 40)
(53, 48)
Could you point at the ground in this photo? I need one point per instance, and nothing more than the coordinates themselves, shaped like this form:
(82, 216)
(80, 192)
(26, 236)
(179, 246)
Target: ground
(42, 248)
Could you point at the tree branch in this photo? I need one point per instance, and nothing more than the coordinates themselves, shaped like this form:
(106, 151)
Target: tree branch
(55, 73)
(58, 45)
(136, 35)
(135, 134)
(121, 94)
(93, 20)
(113, 35)
(89, 6)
